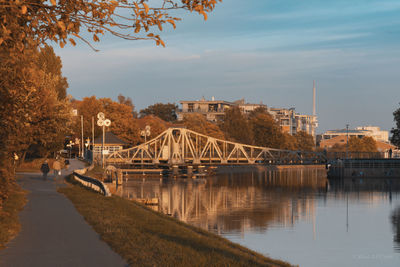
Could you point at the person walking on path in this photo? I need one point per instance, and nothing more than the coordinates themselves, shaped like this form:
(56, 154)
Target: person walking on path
(53, 233)
(56, 168)
(66, 163)
(45, 169)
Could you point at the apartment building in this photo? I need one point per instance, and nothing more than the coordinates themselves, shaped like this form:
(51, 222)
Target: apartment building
(214, 110)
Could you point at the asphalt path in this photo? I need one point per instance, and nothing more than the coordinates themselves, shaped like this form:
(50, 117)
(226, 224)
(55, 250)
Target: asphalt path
(53, 233)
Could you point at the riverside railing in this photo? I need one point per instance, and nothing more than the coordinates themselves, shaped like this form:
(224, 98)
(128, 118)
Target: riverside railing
(90, 182)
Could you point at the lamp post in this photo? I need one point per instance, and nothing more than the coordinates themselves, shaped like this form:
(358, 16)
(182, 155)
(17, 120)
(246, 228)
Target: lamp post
(347, 143)
(146, 132)
(87, 145)
(82, 155)
(103, 122)
(70, 147)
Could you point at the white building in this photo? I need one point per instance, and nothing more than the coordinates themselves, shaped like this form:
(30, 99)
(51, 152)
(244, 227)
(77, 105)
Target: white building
(375, 132)
(371, 131)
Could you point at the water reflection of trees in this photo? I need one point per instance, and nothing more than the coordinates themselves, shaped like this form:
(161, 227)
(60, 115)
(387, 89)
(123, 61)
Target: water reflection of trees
(395, 219)
(235, 202)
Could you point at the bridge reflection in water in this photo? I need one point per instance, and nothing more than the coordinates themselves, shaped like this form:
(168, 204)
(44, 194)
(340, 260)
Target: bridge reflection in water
(234, 202)
(288, 214)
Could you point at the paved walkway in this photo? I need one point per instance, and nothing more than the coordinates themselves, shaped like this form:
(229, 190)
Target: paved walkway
(53, 232)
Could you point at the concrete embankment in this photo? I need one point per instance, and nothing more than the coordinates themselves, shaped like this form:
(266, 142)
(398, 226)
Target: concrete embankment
(252, 168)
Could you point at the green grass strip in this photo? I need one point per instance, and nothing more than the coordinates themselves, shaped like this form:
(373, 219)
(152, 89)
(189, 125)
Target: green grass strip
(147, 238)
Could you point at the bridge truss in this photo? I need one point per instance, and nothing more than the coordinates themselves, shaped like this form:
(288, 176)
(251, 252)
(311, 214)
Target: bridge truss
(182, 146)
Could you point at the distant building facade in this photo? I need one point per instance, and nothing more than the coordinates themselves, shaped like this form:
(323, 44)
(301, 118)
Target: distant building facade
(371, 131)
(342, 140)
(214, 110)
(292, 122)
(111, 144)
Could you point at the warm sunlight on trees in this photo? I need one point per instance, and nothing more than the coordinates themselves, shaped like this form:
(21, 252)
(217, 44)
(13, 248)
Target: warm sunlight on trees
(266, 131)
(32, 112)
(37, 21)
(51, 63)
(123, 123)
(236, 126)
(395, 139)
(198, 123)
(34, 119)
(156, 124)
(166, 112)
(364, 144)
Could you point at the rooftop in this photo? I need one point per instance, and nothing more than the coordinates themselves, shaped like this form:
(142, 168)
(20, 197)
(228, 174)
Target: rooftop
(109, 138)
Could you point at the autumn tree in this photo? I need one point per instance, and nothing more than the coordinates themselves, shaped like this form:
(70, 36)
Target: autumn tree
(123, 124)
(33, 117)
(127, 101)
(166, 112)
(364, 144)
(29, 22)
(198, 123)
(356, 144)
(236, 126)
(395, 138)
(266, 131)
(49, 62)
(156, 124)
(289, 142)
(33, 106)
(305, 141)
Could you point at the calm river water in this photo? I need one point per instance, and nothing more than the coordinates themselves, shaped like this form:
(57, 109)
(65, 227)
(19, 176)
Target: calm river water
(293, 215)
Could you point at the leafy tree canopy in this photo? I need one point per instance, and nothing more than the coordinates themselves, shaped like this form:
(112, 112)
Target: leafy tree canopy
(395, 138)
(198, 123)
(37, 21)
(166, 112)
(123, 124)
(156, 124)
(236, 126)
(51, 63)
(266, 131)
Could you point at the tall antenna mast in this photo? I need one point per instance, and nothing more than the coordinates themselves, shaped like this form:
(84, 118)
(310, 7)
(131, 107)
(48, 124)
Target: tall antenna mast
(314, 111)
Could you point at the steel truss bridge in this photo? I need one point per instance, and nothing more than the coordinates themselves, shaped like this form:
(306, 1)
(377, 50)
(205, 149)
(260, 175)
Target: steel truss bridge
(180, 146)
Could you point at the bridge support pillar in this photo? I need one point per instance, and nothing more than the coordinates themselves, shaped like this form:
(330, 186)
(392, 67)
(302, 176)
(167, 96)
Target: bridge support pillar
(196, 161)
(189, 171)
(175, 170)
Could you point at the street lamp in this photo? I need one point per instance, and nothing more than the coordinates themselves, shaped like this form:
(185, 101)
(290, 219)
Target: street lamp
(146, 132)
(87, 145)
(103, 122)
(347, 144)
(70, 147)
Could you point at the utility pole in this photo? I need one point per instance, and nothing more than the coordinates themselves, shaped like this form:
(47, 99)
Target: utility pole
(103, 122)
(92, 135)
(83, 145)
(347, 143)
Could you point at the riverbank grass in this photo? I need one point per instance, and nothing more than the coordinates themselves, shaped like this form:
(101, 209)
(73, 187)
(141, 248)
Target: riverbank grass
(9, 220)
(147, 238)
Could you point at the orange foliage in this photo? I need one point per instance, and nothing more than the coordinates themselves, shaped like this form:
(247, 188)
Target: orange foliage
(156, 124)
(123, 123)
(198, 123)
(36, 21)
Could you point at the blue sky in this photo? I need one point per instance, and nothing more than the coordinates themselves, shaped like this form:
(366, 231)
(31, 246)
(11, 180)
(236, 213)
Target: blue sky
(262, 50)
